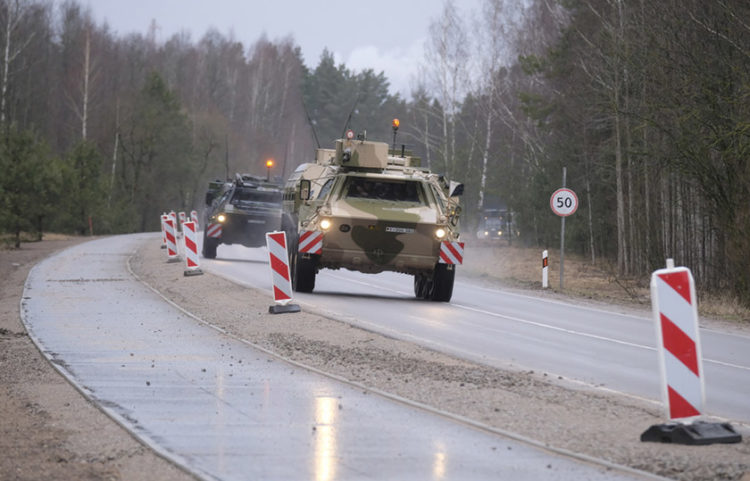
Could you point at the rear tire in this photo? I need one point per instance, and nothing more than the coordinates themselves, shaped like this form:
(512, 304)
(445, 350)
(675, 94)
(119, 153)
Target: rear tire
(442, 283)
(209, 246)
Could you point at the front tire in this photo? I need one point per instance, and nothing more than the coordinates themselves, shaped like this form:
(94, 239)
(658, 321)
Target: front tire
(442, 283)
(209, 246)
(303, 269)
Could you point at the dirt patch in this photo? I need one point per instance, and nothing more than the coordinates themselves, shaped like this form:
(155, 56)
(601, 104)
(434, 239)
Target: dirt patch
(48, 430)
(553, 411)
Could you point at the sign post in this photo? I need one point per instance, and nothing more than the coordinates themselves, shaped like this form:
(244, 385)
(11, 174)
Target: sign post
(564, 202)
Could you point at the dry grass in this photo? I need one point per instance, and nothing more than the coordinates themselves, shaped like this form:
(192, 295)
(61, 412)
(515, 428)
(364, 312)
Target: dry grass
(522, 268)
(8, 240)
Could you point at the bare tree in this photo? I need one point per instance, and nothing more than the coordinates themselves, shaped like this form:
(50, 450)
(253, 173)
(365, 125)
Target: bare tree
(447, 59)
(14, 11)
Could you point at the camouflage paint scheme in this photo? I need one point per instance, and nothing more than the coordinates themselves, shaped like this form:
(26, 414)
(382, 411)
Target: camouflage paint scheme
(370, 234)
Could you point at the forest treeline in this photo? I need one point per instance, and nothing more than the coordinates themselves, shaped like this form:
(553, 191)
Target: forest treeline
(646, 105)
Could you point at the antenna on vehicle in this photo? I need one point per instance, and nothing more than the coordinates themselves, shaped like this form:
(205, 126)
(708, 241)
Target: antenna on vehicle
(312, 125)
(226, 156)
(349, 118)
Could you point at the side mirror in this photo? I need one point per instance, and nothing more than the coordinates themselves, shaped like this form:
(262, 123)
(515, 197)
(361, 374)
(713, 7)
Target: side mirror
(456, 189)
(304, 189)
(209, 198)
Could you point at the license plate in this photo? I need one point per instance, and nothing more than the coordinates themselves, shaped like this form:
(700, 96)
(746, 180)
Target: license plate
(400, 230)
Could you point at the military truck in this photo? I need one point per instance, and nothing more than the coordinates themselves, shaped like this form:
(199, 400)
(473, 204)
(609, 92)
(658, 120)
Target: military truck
(366, 208)
(240, 212)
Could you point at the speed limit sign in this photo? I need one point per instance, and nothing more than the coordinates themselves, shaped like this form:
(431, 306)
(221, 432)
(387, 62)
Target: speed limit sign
(563, 202)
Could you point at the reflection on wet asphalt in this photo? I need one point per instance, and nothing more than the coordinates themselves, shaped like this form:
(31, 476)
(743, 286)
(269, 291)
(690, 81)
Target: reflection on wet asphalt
(227, 411)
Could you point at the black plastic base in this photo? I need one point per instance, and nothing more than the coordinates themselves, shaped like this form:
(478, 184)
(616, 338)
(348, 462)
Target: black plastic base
(277, 309)
(193, 272)
(697, 433)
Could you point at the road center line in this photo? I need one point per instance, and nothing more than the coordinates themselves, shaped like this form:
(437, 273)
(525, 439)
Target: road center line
(539, 324)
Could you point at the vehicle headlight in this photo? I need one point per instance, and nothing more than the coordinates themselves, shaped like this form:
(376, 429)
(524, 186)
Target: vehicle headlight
(221, 218)
(325, 224)
(499, 232)
(486, 233)
(440, 233)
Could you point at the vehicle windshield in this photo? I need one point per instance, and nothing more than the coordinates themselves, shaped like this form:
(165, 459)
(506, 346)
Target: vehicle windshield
(255, 195)
(384, 189)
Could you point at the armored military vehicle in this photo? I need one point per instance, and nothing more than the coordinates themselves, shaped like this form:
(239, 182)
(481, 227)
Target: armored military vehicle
(366, 208)
(240, 212)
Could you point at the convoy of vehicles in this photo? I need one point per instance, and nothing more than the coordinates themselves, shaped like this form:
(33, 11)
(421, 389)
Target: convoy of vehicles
(359, 206)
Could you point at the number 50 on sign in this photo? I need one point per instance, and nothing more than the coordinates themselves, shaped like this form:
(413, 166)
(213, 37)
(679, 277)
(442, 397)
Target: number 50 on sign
(563, 202)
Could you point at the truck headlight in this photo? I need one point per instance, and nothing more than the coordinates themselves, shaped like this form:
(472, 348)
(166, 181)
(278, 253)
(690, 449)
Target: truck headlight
(325, 224)
(440, 233)
(221, 218)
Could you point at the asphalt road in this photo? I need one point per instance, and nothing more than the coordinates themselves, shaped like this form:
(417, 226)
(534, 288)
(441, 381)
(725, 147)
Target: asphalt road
(601, 347)
(227, 411)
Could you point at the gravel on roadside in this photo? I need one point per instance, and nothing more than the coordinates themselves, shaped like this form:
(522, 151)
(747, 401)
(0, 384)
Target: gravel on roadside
(556, 412)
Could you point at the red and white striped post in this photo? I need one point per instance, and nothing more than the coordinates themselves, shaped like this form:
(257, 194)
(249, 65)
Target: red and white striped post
(171, 240)
(675, 314)
(192, 265)
(545, 269)
(183, 218)
(194, 217)
(163, 218)
(675, 311)
(280, 275)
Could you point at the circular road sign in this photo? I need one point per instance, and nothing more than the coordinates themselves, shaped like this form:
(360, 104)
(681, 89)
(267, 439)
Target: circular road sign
(563, 202)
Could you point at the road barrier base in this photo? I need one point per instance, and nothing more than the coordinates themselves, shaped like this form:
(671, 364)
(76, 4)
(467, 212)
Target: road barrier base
(697, 433)
(193, 272)
(278, 309)
(172, 260)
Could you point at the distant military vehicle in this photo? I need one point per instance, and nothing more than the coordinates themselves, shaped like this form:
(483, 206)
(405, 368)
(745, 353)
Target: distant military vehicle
(495, 224)
(240, 212)
(365, 208)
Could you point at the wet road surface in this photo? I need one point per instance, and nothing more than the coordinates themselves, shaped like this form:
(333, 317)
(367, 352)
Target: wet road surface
(227, 411)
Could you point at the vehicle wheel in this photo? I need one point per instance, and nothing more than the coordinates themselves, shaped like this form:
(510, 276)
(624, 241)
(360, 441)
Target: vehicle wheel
(209, 247)
(421, 286)
(304, 273)
(442, 283)
(303, 270)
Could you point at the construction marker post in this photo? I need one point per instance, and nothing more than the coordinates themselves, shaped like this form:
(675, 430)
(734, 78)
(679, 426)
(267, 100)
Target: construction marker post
(545, 269)
(192, 265)
(194, 217)
(171, 240)
(675, 311)
(183, 218)
(163, 218)
(280, 276)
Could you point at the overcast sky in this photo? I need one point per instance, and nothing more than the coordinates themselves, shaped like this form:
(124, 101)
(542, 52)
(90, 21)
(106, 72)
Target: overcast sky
(385, 35)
